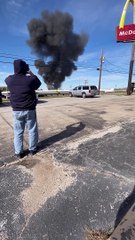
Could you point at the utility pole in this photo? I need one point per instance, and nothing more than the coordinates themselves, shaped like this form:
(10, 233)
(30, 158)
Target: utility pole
(131, 60)
(85, 82)
(131, 69)
(100, 71)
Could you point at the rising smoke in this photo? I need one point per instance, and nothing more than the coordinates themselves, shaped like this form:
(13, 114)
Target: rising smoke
(56, 45)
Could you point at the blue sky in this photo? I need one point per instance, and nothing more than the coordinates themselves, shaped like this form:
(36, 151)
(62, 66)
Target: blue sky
(97, 18)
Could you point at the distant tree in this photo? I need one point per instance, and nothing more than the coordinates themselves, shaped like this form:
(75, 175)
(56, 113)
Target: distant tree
(3, 88)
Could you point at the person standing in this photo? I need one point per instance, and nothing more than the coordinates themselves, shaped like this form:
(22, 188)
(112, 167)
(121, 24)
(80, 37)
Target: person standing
(22, 85)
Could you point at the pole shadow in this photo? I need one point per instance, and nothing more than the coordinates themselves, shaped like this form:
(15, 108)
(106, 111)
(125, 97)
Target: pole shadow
(124, 207)
(68, 132)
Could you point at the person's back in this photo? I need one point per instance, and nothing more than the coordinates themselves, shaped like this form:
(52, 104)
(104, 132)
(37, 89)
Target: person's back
(23, 101)
(22, 87)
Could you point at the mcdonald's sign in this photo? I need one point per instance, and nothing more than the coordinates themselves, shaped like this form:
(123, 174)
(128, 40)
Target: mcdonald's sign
(125, 33)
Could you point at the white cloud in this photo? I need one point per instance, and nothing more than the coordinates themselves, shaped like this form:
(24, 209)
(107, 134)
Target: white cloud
(88, 57)
(14, 3)
(3, 75)
(17, 14)
(13, 7)
(90, 15)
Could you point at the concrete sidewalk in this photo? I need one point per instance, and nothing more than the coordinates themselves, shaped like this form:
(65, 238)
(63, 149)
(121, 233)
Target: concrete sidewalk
(82, 177)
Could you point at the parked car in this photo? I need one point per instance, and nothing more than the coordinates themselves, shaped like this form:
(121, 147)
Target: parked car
(84, 91)
(1, 97)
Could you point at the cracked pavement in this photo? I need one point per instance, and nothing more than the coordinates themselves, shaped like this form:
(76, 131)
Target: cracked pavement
(81, 176)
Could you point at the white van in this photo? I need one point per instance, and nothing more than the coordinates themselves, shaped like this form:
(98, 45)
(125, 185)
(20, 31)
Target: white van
(84, 91)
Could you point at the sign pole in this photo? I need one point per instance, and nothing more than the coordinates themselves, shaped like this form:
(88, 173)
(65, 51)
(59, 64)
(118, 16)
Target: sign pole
(131, 69)
(132, 59)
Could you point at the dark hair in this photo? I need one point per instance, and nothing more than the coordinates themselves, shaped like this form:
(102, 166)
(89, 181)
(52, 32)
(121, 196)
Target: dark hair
(27, 67)
(20, 66)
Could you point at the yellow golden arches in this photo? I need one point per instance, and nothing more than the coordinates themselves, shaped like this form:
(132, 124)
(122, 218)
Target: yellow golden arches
(122, 20)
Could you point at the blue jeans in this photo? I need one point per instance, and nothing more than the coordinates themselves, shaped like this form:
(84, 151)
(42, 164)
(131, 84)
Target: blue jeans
(22, 119)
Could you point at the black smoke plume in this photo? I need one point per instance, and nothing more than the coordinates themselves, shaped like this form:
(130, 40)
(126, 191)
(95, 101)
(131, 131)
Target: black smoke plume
(56, 45)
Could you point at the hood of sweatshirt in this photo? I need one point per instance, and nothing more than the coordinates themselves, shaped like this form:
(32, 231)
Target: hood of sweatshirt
(20, 67)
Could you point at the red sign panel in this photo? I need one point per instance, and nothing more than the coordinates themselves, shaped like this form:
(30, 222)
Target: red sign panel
(126, 34)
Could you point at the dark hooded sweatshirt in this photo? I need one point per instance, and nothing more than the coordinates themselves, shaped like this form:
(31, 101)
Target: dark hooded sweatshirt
(22, 87)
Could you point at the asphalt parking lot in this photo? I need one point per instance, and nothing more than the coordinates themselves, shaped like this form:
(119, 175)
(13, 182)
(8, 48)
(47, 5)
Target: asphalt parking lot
(82, 176)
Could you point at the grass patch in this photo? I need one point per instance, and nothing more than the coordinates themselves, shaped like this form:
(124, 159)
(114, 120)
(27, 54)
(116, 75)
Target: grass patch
(4, 100)
(117, 93)
(97, 235)
(54, 96)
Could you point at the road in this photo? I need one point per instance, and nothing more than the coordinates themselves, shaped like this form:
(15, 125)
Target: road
(80, 178)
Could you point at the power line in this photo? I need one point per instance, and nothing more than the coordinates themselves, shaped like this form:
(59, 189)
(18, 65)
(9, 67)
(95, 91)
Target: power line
(13, 56)
(12, 63)
(113, 71)
(8, 57)
(88, 68)
(113, 64)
